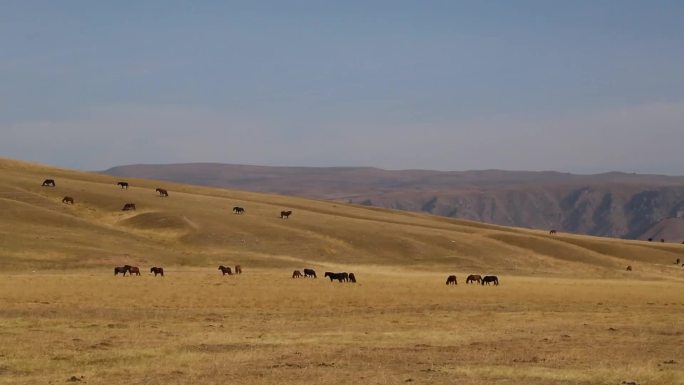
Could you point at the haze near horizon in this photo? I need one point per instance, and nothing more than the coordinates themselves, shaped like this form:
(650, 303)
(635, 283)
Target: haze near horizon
(583, 87)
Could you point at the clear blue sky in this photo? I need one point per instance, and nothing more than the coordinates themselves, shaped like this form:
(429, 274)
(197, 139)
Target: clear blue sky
(580, 86)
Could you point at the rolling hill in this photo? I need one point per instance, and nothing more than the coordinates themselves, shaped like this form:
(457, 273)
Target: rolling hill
(195, 226)
(613, 204)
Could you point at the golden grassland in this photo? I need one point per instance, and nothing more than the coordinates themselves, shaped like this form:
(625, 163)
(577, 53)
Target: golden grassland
(196, 326)
(566, 312)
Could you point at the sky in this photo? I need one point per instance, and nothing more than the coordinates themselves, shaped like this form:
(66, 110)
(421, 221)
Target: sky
(574, 86)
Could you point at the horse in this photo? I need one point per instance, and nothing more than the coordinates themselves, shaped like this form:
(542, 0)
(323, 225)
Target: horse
(128, 206)
(121, 270)
(629, 268)
(490, 279)
(553, 231)
(123, 185)
(238, 269)
(162, 192)
(238, 210)
(68, 200)
(296, 274)
(677, 261)
(133, 270)
(309, 273)
(352, 278)
(662, 239)
(342, 277)
(225, 270)
(451, 280)
(472, 278)
(650, 239)
(285, 214)
(157, 270)
(49, 182)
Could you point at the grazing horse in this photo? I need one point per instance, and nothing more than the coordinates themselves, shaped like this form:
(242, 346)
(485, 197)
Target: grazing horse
(68, 200)
(128, 206)
(451, 280)
(238, 269)
(490, 279)
(162, 192)
(342, 277)
(296, 274)
(121, 270)
(473, 277)
(49, 182)
(309, 273)
(157, 270)
(285, 214)
(629, 268)
(352, 278)
(123, 185)
(553, 231)
(133, 270)
(225, 270)
(238, 210)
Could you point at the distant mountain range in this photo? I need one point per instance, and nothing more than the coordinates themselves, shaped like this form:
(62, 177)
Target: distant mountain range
(633, 206)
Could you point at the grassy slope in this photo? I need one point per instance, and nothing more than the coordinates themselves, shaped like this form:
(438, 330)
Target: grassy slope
(195, 226)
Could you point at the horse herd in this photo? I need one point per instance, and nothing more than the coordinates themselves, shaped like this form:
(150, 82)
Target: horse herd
(473, 278)
(308, 273)
(163, 193)
(134, 270)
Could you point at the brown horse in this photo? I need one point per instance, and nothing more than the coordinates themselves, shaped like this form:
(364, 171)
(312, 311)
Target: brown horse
(68, 200)
(238, 269)
(451, 280)
(487, 279)
(157, 270)
(134, 270)
(472, 278)
(296, 274)
(553, 231)
(162, 192)
(352, 278)
(128, 206)
(629, 268)
(285, 214)
(238, 210)
(123, 185)
(49, 182)
(225, 270)
(677, 261)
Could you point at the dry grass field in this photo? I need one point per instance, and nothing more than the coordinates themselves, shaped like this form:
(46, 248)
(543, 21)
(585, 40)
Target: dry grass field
(566, 311)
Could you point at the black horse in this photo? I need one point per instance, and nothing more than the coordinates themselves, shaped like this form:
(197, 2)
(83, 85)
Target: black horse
(490, 279)
(352, 278)
(309, 273)
(238, 210)
(451, 280)
(49, 182)
(121, 270)
(157, 270)
(225, 270)
(285, 214)
(162, 192)
(341, 277)
(123, 185)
